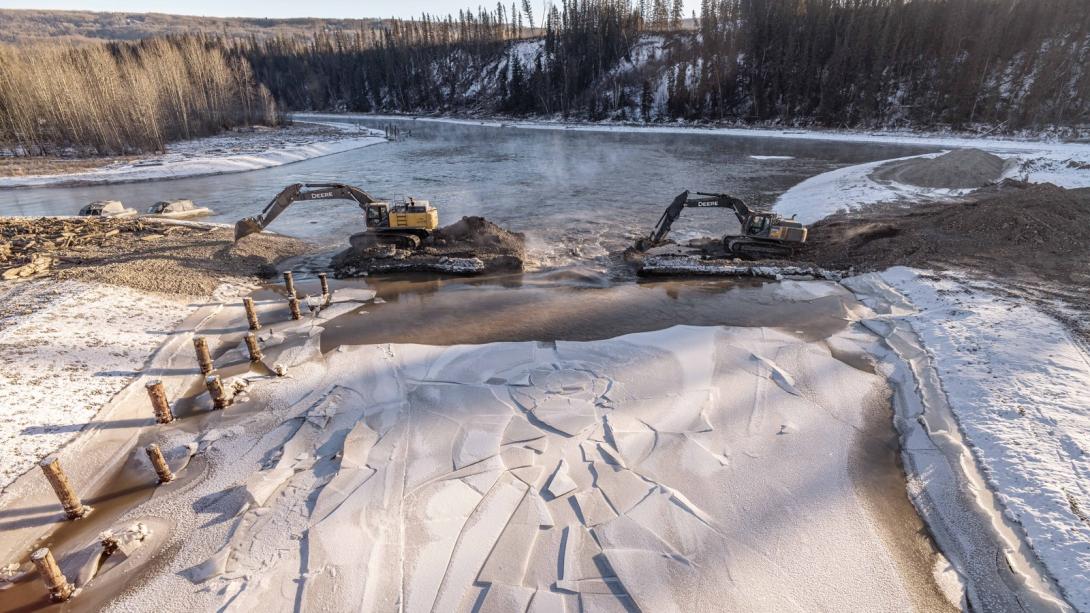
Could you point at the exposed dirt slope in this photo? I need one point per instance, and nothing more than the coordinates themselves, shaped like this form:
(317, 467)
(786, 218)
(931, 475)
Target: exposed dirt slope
(1011, 230)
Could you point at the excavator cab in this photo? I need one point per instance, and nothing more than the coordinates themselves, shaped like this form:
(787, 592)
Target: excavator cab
(378, 215)
(758, 225)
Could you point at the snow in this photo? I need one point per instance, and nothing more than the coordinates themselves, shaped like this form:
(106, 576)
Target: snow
(922, 139)
(409, 477)
(214, 155)
(69, 347)
(694, 265)
(1017, 385)
(851, 188)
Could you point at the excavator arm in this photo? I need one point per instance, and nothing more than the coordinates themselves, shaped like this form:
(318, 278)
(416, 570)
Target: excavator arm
(298, 192)
(672, 212)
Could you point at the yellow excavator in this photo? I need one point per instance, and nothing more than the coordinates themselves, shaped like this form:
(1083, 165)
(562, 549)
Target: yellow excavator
(764, 233)
(403, 224)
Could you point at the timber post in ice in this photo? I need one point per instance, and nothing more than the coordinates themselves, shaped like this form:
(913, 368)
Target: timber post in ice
(251, 346)
(215, 390)
(293, 304)
(251, 313)
(73, 508)
(159, 402)
(159, 463)
(324, 280)
(289, 283)
(60, 589)
(204, 358)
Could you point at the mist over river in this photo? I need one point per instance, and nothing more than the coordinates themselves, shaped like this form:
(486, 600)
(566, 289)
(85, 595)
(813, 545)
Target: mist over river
(577, 195)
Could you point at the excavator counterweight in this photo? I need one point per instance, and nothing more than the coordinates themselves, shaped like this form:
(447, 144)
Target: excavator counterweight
(764, 234)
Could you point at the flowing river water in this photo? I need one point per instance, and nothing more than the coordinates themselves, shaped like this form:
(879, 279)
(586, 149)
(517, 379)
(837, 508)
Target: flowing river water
(577, 195)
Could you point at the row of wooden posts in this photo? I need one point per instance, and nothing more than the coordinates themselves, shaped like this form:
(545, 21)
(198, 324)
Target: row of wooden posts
(59, 588)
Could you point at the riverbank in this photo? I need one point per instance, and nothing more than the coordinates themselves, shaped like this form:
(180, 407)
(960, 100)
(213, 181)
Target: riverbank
(235, 151)
(84, 326)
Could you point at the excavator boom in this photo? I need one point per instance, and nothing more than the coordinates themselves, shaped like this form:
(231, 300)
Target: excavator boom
(764, 234)
(662, 228)
(297, 192)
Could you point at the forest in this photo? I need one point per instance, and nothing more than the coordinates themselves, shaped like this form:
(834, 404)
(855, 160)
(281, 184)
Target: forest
(1002, 65)
(995, 66)
(120, 98)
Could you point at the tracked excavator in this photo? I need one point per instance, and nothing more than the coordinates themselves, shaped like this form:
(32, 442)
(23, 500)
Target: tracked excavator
(764, 234)
(404, 224)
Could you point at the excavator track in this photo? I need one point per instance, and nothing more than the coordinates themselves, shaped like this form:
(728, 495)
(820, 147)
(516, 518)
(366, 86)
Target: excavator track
(373, 238)
(756, 250)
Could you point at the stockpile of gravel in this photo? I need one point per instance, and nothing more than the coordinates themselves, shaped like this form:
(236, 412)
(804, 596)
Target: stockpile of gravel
(958, 169)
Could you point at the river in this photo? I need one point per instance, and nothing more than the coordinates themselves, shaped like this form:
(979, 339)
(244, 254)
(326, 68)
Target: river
(577, 195)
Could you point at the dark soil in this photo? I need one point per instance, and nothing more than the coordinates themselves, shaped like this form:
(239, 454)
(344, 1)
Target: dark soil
(1011, 230)
(471, 245)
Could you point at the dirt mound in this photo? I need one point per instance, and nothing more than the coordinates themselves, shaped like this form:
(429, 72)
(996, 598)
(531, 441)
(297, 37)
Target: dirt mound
(958, 169)
(471, 245)
(1009, 230)
(191, 259)
(481, 235)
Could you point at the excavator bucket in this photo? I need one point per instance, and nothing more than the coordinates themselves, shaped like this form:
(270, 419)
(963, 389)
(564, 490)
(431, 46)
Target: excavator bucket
(246, 227)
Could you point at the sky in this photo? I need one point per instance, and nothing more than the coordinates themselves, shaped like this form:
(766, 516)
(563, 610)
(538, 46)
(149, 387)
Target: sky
(267, 8)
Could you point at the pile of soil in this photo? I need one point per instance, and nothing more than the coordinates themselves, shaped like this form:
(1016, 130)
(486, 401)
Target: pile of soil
(1010, 230)
(958, 169)
(156, 256)
(471, 245)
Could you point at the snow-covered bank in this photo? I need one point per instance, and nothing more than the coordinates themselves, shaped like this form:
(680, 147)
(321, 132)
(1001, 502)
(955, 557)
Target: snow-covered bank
(923, 139)
(235, 152)
(854, 187)
(1018, 386)
(68, 348)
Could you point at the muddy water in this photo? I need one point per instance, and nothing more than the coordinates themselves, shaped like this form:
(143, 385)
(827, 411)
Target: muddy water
(520, 308)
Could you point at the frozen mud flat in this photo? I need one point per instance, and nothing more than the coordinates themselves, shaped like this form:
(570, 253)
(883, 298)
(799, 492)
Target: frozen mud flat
(693, 468)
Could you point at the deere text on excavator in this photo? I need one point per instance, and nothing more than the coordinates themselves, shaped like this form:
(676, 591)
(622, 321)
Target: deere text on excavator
(404, 224)
(764, 234)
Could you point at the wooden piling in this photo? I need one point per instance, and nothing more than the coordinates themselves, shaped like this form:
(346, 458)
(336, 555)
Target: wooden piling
(252, 347)
(215, 390)
(289, 284)
(60, 589)
(159, 402)
(159, 463)
(204, 358)
(293, 304)
(251, 313)
(324, 280)
(73, 508)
